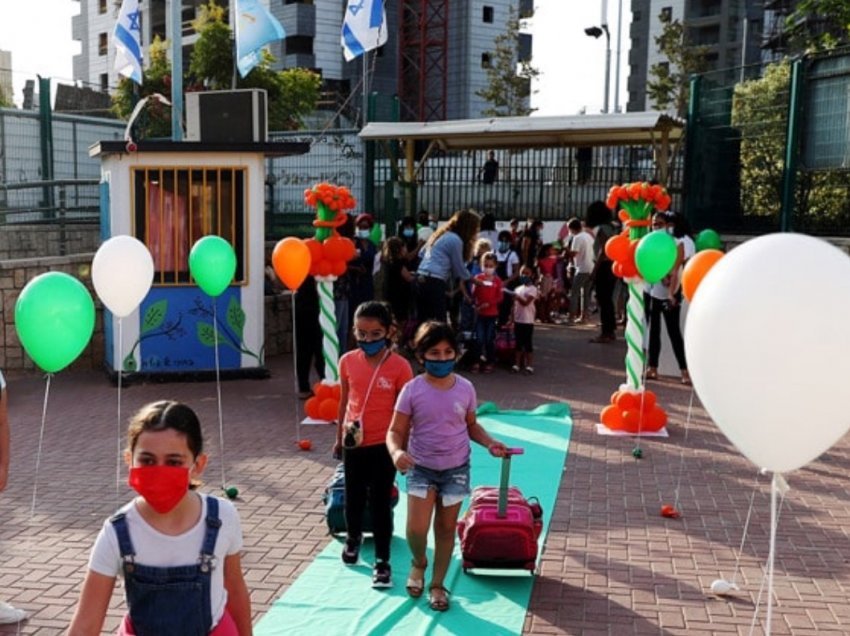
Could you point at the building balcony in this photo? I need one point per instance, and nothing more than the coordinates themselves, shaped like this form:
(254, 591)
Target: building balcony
(783, 7)
(78, 28)
(299, 60)
(526, 9)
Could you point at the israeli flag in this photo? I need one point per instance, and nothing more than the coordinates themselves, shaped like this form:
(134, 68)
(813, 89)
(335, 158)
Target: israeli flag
(255, 27)
(128, 41)
(364, 27)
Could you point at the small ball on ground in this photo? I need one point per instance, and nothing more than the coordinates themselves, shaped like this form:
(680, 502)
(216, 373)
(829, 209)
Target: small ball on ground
(232, 492)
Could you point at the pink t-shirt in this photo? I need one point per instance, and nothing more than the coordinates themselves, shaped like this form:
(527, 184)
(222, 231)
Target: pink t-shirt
(439, 437)
(378, 412)
(525, 314)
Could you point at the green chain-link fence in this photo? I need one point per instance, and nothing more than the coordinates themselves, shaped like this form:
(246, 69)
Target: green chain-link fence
(768, 148)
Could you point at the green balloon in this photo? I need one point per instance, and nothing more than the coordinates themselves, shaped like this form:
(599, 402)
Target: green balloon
(655, 256)
(376, 235)
(212, 263)
(708, 240)
(54, 318)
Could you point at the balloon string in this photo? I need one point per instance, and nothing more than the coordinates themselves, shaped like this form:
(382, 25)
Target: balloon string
(682, 451)
(773, 524)
(295, 371)
(771, 552)
(38, 452)
(118, 419)
(746, 528)
(218, 391)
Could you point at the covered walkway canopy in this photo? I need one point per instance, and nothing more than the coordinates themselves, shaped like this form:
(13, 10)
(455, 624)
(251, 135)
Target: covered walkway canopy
(660, 130)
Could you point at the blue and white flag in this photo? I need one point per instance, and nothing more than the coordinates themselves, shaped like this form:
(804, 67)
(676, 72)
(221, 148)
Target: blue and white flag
(128, 41)
(364, 27)
(255, 27)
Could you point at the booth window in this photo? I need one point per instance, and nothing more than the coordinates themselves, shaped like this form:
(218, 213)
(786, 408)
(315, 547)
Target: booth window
(174, 207)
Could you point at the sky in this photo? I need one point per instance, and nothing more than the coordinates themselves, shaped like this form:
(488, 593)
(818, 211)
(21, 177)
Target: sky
(572, 64)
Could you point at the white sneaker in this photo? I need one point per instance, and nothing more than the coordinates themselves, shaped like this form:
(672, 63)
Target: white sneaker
(10, 615)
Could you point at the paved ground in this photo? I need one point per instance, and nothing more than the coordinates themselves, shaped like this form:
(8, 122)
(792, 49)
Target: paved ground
(612, 564)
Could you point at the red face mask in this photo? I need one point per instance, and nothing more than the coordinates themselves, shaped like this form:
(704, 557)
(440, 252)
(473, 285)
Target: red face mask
(161, 486)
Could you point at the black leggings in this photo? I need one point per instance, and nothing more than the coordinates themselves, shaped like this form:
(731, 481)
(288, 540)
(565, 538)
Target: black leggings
(605, 282)
(369, 475)
(671, 313)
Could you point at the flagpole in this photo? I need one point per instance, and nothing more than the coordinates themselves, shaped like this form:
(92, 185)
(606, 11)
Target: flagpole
(176, 70)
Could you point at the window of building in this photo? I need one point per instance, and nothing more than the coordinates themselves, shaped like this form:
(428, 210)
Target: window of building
(299, 44)
(174, 207)
(104, 82)
(101, 6)
(487, 15)
(297, 1)
(486, 62)
(667, 14)
(102, 44)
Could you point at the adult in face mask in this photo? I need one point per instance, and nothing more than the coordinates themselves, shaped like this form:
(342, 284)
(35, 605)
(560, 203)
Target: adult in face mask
(361, 268)
(177, 550)
(664, 298)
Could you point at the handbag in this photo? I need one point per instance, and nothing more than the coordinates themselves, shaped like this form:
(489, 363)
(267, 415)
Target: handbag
(352, 432)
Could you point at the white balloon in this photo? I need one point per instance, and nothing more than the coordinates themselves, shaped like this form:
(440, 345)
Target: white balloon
(122, 274)
(768, 348)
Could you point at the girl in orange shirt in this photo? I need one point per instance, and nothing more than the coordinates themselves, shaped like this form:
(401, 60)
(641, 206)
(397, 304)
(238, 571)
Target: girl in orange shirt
(371, 377)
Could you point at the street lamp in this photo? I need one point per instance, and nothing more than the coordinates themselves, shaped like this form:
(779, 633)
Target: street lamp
(596, 32)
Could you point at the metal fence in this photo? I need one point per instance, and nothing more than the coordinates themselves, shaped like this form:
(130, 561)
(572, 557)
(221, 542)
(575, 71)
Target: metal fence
(768, 147)
(548, 183)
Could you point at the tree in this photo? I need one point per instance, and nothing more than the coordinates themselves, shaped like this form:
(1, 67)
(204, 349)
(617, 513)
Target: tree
(760, 113)
(292, 93)
(509, 77)
(669, 88)
(5, 102)
(817, 25)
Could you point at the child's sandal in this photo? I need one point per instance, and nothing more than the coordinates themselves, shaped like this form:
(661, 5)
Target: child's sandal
(416, 584)
(438, 602)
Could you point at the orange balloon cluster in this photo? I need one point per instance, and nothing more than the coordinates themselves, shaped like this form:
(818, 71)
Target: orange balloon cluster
(634, 413)
(329, 258)
(324, 405)
(335, 198)
(621, 250)
(639, 191)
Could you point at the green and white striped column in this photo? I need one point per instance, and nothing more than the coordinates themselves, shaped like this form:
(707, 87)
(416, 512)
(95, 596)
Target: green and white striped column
(635, 332)
(327, 322)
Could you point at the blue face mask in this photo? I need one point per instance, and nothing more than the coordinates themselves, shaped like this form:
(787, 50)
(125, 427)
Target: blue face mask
(504, 246)
(439, 368)
(363, 233)
(407, 232)
(371, 347)
(525, 280)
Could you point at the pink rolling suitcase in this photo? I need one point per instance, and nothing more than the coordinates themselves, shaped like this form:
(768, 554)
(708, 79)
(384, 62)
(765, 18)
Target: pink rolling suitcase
(501, 527)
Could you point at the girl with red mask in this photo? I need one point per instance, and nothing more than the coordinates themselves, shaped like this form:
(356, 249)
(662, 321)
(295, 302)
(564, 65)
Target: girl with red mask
(178, 550)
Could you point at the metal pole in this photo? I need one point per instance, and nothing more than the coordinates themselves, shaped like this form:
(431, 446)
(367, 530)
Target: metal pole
(607, 66)
(789, 171)
(744, 48)
(617, 63)
(176, 70)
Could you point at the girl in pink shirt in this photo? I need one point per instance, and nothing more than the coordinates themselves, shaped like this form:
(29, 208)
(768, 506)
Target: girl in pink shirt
(371, 378)
(429, 437)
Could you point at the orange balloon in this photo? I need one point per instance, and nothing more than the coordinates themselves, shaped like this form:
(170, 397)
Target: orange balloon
(317, 252)
(311, 408)
(305, 444)
(628, 401)
(338, 268)
(323, 391)
(695, 270)
(623, 215)
(337, 390)
(328, 409)
(612, 418)
(648, 401)
(617, 269)
(614, 397)
(617, 247)
(291, 261)
(323, 267)
(338, 248)
(655, 420)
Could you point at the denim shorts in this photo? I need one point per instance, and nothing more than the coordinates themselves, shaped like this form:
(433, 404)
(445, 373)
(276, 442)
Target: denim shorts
(451, 484)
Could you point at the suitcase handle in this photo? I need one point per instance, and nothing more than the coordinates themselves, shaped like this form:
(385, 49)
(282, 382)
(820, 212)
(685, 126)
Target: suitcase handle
(514, 451)
(505, 478)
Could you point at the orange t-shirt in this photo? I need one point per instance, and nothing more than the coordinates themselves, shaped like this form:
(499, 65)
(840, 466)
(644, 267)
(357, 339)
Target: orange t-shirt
(375, 418)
